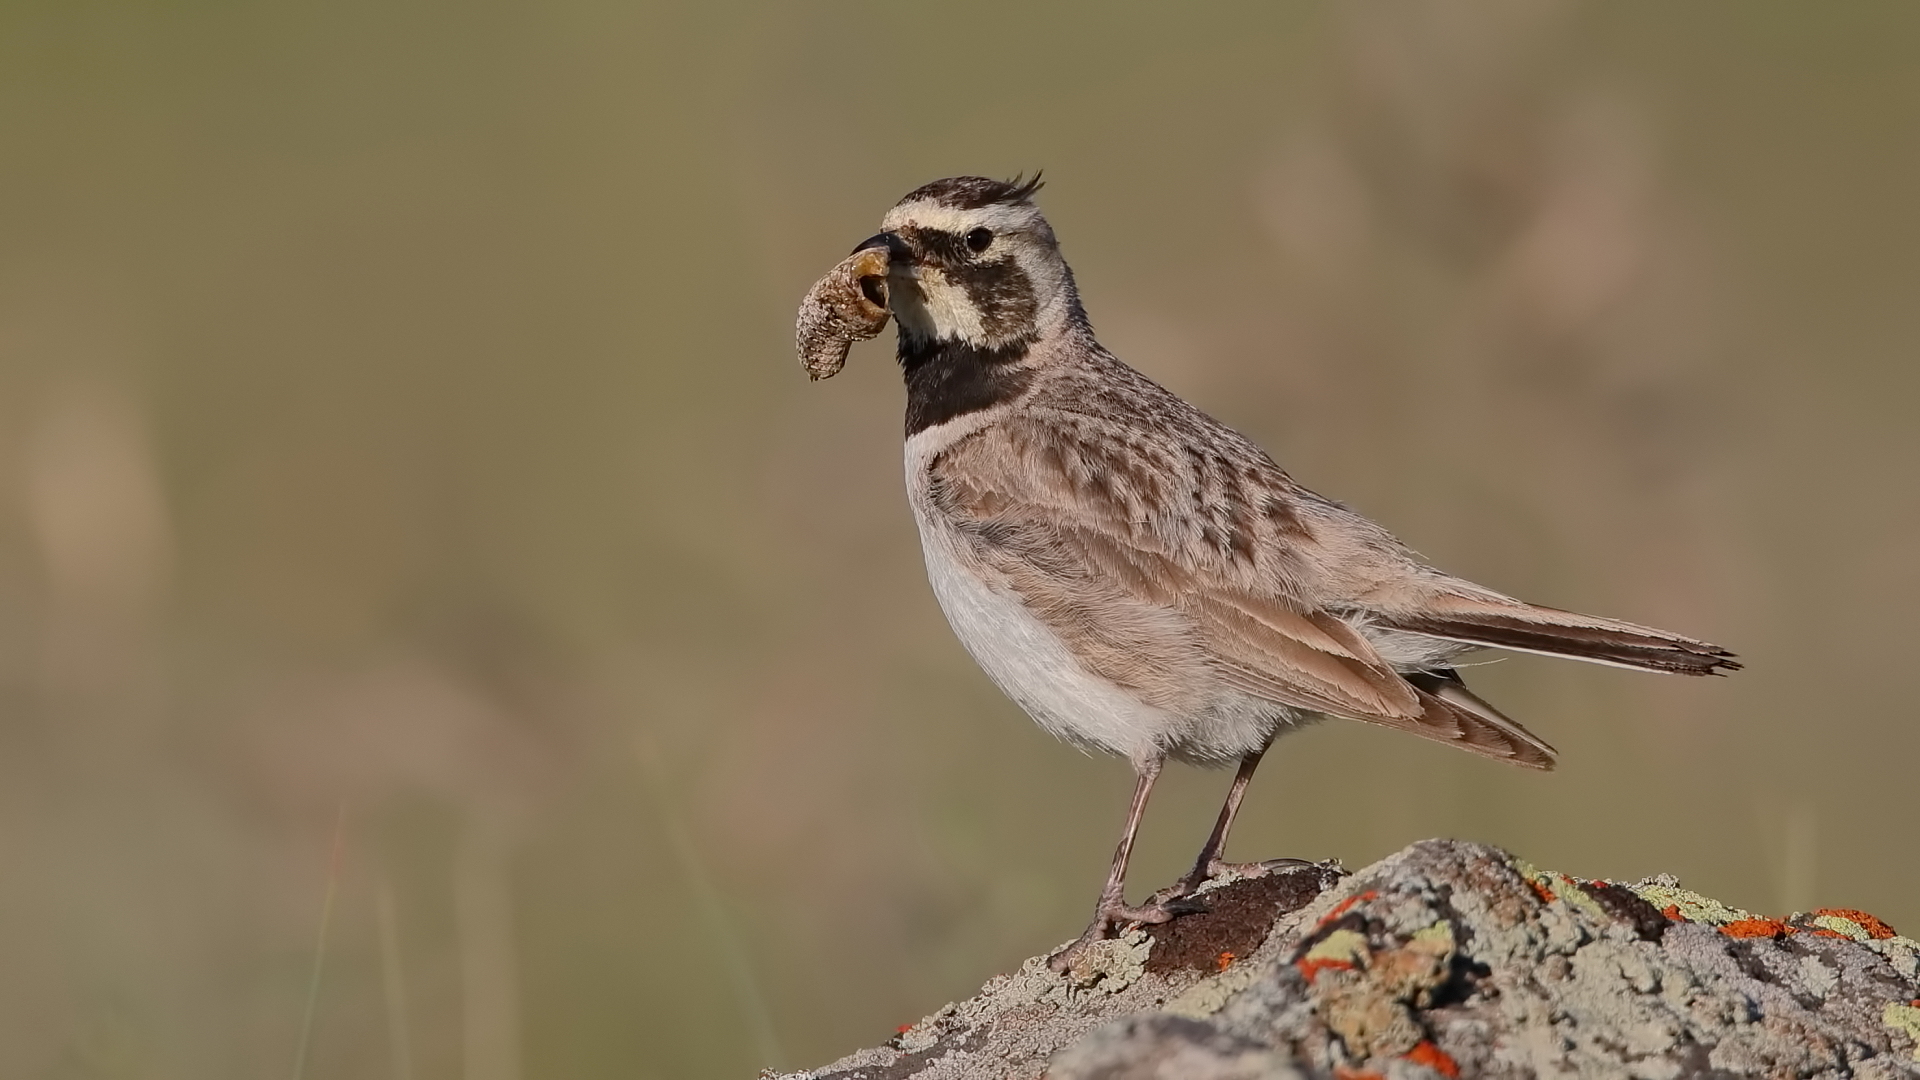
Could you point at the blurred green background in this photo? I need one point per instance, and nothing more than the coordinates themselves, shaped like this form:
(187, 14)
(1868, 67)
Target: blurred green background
(401, 444)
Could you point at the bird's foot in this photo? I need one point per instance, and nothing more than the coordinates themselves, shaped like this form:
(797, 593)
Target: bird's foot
(1115, 917)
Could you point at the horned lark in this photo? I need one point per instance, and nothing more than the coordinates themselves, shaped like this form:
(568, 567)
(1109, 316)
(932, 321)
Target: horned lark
(1141, 579)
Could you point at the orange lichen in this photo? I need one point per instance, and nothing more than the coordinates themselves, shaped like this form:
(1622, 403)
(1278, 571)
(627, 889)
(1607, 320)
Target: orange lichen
(1340, 950)
(903, 1029)
(1344, 906)
(1224, 961)
(1425, 1053)
(1875, 929)
(1311, 968)
(1756, 927)
(1672, 912)
(1348, 1072)
(1545, 894)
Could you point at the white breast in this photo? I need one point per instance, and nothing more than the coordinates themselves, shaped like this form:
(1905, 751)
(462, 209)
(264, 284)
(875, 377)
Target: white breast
(1035, 668)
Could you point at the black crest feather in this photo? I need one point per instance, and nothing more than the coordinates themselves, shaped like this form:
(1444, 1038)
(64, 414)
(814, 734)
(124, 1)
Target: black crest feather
(973, 192)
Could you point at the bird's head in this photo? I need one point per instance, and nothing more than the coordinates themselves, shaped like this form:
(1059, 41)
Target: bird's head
(972, 261)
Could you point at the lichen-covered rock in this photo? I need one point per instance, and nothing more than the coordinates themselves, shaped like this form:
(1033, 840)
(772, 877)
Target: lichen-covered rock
(1447, 959)
(1461, 961)
(1161, 1046)
(1190, 967)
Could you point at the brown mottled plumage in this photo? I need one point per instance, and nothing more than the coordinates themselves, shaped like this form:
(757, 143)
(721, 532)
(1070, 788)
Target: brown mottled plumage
(1140, 578)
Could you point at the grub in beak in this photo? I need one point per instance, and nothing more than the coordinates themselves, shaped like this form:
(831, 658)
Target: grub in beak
(847, 305)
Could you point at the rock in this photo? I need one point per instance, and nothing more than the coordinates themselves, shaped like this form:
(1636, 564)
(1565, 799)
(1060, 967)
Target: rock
(1447, 959)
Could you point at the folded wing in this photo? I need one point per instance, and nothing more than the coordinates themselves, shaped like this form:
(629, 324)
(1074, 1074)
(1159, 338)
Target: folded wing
(1169, 607)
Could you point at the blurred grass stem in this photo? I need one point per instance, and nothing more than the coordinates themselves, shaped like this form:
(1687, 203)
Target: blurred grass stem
(393, 982)
(489, 968)
(733, 956)
(320, 944)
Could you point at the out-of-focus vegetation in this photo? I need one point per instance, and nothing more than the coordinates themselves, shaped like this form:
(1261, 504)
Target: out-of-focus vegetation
(398, 420)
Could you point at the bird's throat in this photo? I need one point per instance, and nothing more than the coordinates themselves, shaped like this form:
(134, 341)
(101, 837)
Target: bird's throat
(948, 378)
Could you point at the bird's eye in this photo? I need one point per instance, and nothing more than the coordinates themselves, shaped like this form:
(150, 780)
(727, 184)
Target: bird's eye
(978, 239)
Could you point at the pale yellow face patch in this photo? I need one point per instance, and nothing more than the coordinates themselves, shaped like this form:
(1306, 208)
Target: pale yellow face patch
(931, 305)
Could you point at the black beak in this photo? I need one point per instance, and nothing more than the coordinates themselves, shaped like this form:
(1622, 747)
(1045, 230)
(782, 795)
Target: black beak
(897, 250)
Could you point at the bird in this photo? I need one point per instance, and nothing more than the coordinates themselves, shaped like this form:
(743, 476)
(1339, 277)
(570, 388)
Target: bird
(1141, 579)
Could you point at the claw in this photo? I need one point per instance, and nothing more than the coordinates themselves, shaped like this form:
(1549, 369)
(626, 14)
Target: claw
(1116, 917)
(1183, 905)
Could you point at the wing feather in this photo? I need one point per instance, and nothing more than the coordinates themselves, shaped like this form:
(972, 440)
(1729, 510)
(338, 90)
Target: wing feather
(1270, 652)
(1136, 575)
(1173, 562)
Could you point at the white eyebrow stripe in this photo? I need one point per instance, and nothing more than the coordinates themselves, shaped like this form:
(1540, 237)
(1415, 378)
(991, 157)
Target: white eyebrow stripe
(928, 214)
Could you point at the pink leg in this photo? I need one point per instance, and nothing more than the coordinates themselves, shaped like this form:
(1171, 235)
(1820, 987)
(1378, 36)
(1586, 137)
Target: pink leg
(1112, 911)
(1209, 864)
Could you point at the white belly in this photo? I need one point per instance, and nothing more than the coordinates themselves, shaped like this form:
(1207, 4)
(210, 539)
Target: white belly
(1034, 667)
(1031, 665)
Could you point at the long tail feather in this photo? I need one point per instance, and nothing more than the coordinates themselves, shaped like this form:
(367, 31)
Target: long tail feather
(1550, 631)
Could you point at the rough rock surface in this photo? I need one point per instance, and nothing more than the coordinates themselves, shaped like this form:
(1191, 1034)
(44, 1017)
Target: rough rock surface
(1448, 959)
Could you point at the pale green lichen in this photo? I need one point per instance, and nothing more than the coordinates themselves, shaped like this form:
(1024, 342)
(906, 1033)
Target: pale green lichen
(1564, 889)
(1664, 892)
(1541, 879)
(1112, 965)
(1440, 934)
(1339, 947)
(1846, 928)
(1903, 1017)
(1209, 996)
(1573, 894)
(1902, 953)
